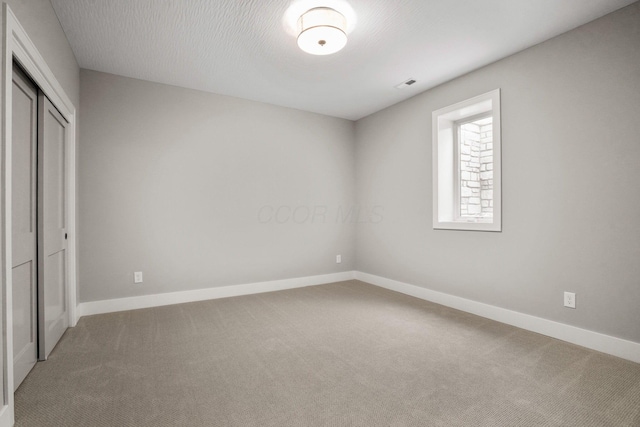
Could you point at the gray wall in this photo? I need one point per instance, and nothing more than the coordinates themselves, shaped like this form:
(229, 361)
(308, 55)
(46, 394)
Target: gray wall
(571, 204)
(182, 185)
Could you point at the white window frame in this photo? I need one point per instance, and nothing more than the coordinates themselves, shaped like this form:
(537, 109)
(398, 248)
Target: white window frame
(446, 200)
(457, 125)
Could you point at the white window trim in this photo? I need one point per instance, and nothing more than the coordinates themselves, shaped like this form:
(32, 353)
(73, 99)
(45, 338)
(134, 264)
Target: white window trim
(445, 179)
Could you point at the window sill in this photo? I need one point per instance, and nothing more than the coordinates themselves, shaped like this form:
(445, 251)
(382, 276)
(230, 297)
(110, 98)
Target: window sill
(468, 226)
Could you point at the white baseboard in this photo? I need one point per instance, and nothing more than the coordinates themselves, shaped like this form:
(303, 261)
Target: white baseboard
(157, 300)
(594, 340)
(6, 415)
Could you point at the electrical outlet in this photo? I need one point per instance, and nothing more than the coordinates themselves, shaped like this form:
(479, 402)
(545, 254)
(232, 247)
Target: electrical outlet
(570, 299)
(338, 259)
(137, 277)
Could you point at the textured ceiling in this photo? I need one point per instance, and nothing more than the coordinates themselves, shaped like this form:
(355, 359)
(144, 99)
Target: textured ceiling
(244, 48)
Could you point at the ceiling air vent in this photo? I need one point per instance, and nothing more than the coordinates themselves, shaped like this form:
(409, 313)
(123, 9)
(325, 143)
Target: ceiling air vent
(405, 84)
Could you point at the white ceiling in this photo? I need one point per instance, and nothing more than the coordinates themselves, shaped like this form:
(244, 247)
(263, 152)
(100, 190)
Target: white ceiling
(244, 48)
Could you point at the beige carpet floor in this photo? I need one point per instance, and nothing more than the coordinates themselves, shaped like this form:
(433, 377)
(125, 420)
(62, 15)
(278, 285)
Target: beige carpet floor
(343, 354)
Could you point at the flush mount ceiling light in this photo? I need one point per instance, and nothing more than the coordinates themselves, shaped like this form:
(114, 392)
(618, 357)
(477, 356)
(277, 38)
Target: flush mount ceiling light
(322, 31)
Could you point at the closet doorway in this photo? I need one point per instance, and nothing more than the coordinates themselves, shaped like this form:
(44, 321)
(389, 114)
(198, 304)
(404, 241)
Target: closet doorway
(39, 264)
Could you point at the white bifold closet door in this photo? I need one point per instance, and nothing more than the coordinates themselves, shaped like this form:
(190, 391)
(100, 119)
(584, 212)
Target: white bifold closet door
(52, 227)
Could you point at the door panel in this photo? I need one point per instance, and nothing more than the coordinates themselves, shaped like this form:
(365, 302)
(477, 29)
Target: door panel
(55, 297)
(52, 223)
(23, 312)
(23, 217)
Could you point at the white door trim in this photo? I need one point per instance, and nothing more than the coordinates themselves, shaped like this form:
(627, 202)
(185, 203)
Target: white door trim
(17, 44)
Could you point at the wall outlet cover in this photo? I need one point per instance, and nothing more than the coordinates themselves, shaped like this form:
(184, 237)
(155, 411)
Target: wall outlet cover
(570, 299)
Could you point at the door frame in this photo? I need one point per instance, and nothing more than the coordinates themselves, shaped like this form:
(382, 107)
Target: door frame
(17, 45)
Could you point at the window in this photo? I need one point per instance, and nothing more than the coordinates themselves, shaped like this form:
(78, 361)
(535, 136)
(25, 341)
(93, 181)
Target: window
(466, 165)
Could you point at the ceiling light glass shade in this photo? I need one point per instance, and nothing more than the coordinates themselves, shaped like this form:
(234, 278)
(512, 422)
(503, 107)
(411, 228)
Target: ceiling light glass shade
(322, 31)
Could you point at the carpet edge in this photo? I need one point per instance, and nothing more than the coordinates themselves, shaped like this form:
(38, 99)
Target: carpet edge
(169, 298)
(608, 344)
